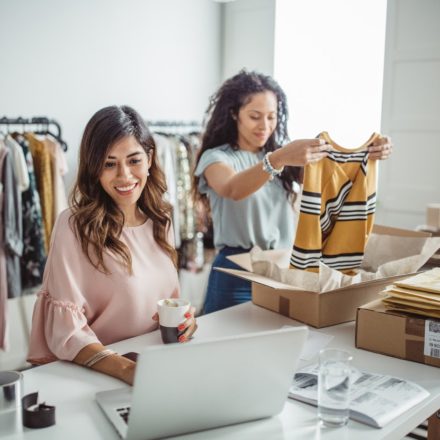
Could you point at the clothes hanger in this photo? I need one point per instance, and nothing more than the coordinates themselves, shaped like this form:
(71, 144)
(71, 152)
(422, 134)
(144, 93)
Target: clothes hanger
(45, 123)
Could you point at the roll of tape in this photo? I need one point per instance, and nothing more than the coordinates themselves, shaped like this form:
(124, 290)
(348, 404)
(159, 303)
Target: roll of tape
(11, 385)
(37, 415)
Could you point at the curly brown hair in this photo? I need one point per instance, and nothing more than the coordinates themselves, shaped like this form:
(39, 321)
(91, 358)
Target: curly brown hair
(97, 220)
(221, 125)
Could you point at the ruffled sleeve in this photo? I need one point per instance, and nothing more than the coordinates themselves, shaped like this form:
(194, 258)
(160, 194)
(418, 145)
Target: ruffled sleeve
(59, 324)
(213, 155)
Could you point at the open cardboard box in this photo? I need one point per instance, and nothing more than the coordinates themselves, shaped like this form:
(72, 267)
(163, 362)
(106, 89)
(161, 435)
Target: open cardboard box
(395, 334)
(314, 308)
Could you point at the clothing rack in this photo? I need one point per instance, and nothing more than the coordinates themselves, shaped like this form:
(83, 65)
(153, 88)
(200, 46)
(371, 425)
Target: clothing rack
(174, 123)
(43, 123)
(175, 127)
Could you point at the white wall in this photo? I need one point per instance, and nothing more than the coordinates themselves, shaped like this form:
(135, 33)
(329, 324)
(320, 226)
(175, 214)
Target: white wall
(411, 112)
(248, 36)
(329, 60)
(66, 59)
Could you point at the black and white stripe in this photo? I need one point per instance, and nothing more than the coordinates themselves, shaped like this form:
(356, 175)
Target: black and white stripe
(364, 164)
(343, 261)
(309, 259)
(358, 210)
(371, 203)
(333, 206)
(337, 156)
(305, 258)
(311, 203)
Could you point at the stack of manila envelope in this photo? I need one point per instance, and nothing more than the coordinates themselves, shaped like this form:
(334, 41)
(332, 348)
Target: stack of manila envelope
(419, 294)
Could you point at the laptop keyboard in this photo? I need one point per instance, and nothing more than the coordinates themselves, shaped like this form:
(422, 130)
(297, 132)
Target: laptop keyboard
(124, 412)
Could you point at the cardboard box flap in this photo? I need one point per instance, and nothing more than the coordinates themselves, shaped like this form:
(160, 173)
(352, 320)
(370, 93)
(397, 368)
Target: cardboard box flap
(388, 230)
(260, 279)
(280, 257)
(242, 260)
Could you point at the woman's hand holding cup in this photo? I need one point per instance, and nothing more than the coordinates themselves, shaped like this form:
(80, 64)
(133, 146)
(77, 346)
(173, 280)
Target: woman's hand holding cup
(176, 320)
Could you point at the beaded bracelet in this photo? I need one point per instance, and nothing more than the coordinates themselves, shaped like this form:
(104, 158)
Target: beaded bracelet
(268, 168)
(98, 357)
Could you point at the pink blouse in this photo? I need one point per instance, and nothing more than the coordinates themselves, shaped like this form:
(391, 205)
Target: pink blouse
(78, 305)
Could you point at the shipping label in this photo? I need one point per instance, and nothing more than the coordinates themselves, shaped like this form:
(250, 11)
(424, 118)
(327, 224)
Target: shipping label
(432, 339)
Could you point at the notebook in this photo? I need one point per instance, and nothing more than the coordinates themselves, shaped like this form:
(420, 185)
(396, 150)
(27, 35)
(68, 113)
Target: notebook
(181, 388)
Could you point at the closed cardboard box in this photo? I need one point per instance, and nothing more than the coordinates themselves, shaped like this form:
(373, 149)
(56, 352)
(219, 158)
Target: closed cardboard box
(396, 334)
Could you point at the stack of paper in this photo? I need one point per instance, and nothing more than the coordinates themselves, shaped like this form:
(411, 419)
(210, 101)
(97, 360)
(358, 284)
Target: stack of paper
(419, 294)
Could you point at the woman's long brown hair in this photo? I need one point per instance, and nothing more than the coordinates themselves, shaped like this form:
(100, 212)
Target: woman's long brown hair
(221, 124)
(96, 219)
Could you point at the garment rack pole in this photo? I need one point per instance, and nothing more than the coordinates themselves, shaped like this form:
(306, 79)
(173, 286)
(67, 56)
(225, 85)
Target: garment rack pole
(39, 120)
(174, 123)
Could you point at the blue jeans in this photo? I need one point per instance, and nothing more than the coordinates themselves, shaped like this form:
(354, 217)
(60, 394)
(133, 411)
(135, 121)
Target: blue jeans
(225, 290)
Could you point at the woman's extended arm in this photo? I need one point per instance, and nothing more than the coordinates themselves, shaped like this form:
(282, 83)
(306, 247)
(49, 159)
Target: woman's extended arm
(237, 186)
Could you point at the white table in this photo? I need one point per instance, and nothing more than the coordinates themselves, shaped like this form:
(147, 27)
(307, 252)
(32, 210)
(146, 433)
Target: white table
(72, 389)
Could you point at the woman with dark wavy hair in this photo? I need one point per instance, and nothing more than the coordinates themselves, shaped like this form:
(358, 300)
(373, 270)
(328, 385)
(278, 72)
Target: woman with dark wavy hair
(111, 256)
(246, 171)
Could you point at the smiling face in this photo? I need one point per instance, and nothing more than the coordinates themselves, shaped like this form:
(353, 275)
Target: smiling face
(257, 120)
(124, 173)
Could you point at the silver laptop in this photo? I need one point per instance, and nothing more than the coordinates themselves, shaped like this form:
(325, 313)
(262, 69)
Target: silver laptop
(181, 388)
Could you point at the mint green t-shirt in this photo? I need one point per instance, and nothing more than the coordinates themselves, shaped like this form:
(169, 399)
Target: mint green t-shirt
(265, 218)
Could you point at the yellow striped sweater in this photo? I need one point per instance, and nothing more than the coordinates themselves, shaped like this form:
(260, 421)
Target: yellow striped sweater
(337, 209)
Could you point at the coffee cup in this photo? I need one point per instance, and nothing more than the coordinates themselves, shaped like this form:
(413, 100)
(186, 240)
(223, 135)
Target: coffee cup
(171, 314)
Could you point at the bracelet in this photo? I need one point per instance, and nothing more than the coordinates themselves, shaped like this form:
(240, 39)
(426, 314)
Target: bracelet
(268, 168)
(98, 357)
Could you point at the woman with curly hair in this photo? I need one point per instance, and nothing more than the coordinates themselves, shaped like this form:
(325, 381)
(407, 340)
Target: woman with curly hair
(246, 173)
(111, 256)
